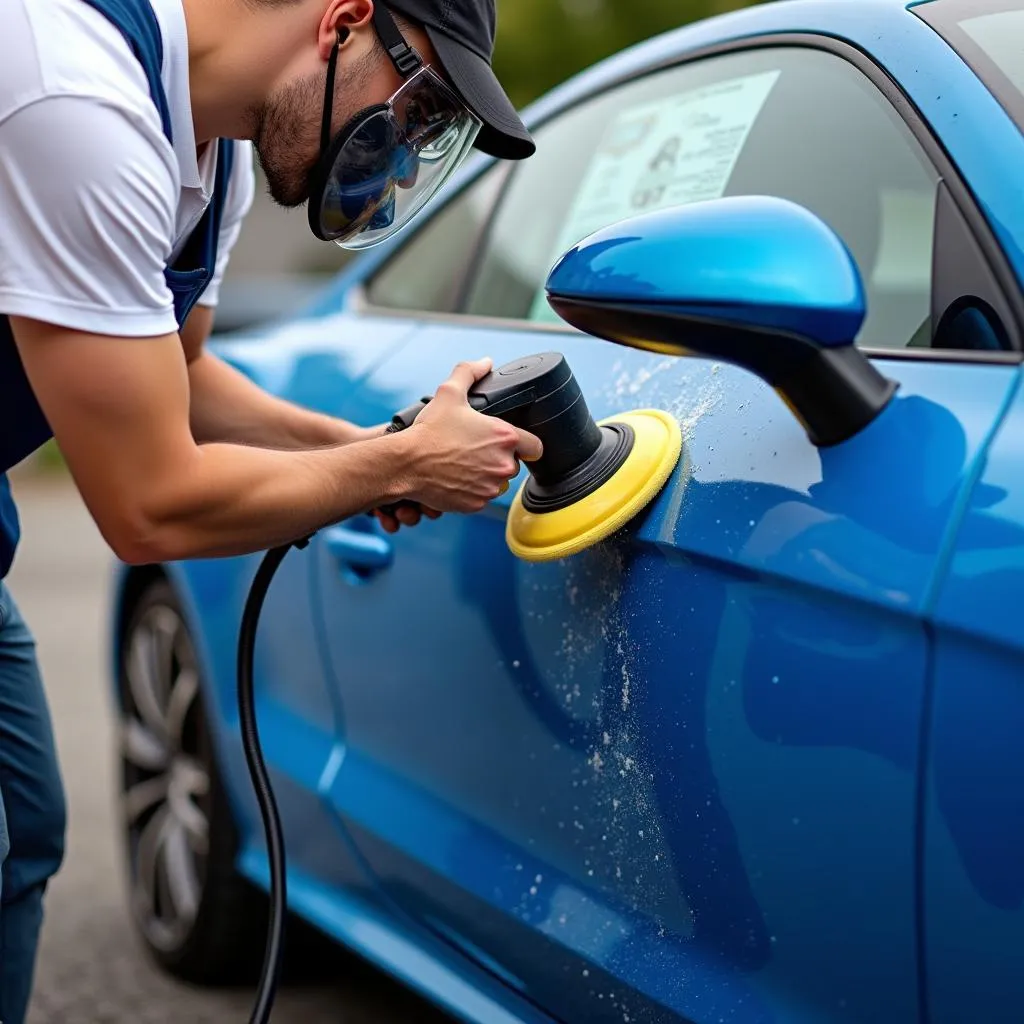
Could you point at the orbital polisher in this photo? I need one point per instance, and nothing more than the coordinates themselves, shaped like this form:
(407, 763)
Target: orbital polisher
(590, 481)
(592, 478)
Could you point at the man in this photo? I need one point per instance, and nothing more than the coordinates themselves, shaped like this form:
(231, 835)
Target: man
(121, 202)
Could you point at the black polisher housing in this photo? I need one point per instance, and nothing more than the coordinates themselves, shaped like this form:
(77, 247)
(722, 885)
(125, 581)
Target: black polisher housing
(540, 394)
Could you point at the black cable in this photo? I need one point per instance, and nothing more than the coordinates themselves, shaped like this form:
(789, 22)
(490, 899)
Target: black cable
(261, 781)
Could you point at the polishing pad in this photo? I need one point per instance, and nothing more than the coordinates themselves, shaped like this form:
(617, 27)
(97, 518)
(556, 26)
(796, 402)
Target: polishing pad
(546, 536)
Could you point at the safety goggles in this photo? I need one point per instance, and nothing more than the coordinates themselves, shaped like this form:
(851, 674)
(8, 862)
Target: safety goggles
(390, 159)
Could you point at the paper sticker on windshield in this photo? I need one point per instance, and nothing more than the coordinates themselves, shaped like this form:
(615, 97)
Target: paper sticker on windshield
(681, 149)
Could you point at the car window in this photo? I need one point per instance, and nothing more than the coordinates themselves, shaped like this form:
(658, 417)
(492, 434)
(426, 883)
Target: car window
(427, 272)
(797, 123)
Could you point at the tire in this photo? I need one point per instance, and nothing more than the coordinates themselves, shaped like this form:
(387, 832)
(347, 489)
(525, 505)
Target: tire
(198, 918)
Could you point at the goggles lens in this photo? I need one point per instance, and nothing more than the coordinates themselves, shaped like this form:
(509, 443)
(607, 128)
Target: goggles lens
(388, 161)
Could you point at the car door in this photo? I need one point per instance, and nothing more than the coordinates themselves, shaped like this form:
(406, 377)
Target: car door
(972, 810)
(675, 776)
(973, 815)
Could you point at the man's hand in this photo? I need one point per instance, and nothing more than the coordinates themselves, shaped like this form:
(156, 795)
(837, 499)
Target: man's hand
(405, 514)
(459, 458)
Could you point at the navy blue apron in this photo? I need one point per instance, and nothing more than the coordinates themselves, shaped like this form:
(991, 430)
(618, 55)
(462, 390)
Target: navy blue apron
(23, 426)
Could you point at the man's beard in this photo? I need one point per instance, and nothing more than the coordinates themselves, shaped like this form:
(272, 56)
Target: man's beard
(286, 127)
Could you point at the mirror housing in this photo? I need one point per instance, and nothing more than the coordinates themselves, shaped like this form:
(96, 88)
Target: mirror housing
(756, 281)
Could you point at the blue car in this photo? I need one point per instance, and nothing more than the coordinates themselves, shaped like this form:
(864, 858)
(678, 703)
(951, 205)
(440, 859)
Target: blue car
(758, 757)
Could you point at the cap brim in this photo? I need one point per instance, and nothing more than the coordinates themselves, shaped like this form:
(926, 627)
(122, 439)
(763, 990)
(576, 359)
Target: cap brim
(503, 134)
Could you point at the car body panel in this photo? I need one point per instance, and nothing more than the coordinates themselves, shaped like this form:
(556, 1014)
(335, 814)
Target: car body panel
(973, 883)
(757, 649)
(381, 934)
(469, 774)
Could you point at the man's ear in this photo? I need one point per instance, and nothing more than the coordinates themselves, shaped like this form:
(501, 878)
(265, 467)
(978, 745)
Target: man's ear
(340, 19)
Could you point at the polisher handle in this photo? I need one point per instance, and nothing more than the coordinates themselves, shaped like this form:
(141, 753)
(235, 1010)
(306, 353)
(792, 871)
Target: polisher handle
(402, 420)
(405, 418)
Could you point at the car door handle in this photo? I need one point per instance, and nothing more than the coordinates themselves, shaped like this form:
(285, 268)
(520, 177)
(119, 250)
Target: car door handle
(359, 550)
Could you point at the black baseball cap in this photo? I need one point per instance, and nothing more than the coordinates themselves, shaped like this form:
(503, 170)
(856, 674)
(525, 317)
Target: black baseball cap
(462, 33)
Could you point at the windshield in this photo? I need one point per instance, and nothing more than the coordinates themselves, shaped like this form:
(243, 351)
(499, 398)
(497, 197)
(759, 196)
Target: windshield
(989, 36)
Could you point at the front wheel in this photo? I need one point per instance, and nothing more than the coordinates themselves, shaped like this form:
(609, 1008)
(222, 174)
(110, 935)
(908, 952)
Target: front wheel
(199, 919)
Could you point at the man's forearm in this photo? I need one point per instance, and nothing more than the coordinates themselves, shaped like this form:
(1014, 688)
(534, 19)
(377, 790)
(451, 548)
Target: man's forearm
(226, 406)
(232, 499)
(120, 412)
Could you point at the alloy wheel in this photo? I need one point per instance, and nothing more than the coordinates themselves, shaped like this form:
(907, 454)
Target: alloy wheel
(165, 776)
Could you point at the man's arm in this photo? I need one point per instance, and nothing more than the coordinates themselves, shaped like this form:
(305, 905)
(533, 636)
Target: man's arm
(227, 406)
(119, 408)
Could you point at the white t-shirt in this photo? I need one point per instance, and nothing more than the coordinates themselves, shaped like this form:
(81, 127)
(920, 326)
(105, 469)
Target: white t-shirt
(94, 201)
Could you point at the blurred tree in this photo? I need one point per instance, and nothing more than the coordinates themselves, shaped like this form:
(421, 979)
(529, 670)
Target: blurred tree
(543, 42)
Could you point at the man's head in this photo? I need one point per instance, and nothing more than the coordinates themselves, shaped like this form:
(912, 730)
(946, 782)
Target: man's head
(452, 38)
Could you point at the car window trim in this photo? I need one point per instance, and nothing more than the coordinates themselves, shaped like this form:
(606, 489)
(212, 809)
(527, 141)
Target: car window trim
(360, 304)
(946, 21)
(904, 108)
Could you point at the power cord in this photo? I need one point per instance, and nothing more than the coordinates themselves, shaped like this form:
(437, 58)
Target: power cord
(267, 989)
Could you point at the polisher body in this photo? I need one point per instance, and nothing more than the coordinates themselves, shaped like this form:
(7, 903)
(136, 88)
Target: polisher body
(592, 479)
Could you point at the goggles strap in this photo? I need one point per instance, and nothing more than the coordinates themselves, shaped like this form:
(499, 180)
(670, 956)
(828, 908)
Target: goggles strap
(325, 123)
(405, 59)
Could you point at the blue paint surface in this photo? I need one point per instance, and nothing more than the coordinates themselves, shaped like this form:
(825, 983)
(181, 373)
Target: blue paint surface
(974, 814)
(670, 730)
(755, 759)
(743, 260)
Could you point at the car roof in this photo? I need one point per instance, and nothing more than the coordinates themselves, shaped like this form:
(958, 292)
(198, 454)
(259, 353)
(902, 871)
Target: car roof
(863, 23)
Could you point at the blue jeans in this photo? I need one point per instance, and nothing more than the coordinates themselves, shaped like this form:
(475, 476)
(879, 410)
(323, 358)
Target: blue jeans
(32, 809)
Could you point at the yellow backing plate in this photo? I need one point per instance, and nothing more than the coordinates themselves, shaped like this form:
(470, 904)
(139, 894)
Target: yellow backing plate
(545, 536)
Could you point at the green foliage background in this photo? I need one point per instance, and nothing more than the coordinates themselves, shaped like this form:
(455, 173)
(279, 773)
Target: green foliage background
(542, 42)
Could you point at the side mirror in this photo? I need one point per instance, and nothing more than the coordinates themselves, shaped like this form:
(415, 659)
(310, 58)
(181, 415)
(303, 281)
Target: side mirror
(752, 280)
